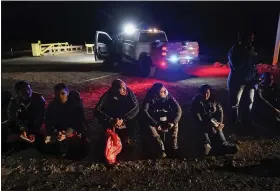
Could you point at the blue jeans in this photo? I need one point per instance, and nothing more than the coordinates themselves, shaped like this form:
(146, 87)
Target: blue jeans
(215, 138)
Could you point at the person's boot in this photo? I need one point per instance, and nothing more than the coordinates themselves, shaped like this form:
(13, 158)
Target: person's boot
(207, 149)
(228, 148)
(162, 154)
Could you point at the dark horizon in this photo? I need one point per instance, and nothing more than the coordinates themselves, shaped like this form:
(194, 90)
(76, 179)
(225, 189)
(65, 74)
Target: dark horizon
(213, 24)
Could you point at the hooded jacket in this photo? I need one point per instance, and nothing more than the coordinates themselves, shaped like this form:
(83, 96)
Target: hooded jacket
(26, 115)
(153, 107)
(61, 116)
(204, 111)
(111, 106)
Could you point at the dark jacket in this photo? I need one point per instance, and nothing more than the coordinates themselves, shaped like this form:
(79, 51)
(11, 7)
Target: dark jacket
(62, 116)
(204, 111)
(111, 107)
(242, 63)
(26, 115)
(153, 107)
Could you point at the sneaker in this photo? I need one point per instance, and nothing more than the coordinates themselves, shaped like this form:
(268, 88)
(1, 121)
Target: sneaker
(228, 148)
(163, 154)
(207, 149)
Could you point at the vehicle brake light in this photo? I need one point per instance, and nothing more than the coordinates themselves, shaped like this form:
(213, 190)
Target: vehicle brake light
(164, 48)
(163, 54)
(162, 63)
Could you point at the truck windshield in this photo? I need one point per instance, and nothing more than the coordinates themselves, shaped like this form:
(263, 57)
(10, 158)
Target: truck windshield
(152, 37)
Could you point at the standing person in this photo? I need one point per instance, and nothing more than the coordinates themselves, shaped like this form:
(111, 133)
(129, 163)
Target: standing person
(118, 107)
(65, 123)
(210, 118)
(162, 112)
(25, 115)
(242, 76)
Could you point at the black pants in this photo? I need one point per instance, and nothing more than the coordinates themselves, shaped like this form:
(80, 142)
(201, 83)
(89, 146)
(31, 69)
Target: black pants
(73, 147)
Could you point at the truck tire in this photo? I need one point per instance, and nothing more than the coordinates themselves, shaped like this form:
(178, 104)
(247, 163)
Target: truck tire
(146, 67)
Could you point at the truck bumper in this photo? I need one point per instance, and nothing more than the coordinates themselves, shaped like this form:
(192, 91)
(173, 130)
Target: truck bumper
(166, 64)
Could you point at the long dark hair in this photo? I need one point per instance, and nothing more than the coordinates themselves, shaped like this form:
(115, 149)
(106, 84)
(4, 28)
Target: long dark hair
(153, 92)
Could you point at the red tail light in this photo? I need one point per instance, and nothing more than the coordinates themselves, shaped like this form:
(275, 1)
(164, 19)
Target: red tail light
(163, 54)
(164, 48)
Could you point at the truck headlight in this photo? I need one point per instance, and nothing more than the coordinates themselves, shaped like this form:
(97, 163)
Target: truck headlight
(173, 58)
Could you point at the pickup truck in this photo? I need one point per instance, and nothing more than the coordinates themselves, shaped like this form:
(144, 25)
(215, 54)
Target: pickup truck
(146, 49)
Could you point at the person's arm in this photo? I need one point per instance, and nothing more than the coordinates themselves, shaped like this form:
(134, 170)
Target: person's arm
(220, 112)
(12, 116)
(99, 109)
(177, 110)
(135, 109)
(150, 119)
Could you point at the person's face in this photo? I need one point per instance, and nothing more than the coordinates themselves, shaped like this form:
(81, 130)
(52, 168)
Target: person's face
(206, 94)
(25, 92)
(163, 92)
(62, 95)
(122, 90)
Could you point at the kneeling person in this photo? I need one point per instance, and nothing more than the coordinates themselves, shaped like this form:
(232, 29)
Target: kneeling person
(65, 122)
(209, 115)
(162, 113)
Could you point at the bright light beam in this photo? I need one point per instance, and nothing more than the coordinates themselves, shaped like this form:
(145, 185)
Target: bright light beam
(129, 29)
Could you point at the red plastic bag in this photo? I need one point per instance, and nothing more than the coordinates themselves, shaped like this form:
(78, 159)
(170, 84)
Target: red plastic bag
(113, 146)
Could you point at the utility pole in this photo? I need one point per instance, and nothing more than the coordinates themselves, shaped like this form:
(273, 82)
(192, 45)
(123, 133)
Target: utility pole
(277, 45)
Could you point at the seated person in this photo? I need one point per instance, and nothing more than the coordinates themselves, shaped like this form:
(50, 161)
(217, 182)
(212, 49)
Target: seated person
(25, 115)
(118, 108)
(209, 116)
(65, 118)
(162, 113)
(6, 97)
(268, 101)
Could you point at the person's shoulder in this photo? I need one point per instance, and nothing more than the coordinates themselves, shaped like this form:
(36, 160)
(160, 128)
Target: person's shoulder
(13, 101)
(196, 99)
(130, 91)
(53, 104)
(171, 97)
(36, 96)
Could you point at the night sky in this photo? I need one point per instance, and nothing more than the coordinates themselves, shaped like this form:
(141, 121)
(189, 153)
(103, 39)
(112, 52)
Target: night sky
(213, 24)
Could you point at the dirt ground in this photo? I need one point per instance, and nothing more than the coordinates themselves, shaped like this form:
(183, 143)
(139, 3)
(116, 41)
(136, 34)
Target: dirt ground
(29, 170)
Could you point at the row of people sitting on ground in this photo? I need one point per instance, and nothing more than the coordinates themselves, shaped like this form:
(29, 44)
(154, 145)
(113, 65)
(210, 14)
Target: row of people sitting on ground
(65, 119)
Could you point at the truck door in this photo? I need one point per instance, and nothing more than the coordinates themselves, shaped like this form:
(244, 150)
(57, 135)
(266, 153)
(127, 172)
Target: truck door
(103, 45)
(129, 44)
